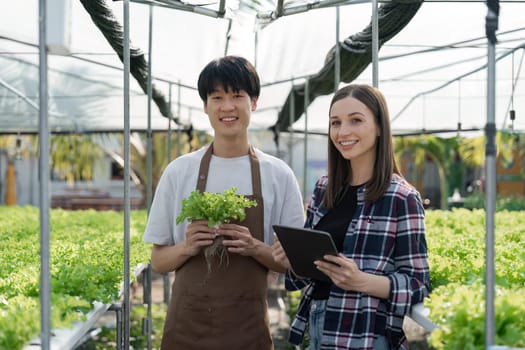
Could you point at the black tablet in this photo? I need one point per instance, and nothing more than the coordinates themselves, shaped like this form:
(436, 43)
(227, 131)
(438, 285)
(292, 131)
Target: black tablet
(303, 246)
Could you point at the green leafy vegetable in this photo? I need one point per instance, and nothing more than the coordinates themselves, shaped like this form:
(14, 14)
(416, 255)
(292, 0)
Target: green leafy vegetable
(215, 207)
(86, 253)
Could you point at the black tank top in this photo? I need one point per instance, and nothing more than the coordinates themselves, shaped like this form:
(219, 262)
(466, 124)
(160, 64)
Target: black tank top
(336, 222)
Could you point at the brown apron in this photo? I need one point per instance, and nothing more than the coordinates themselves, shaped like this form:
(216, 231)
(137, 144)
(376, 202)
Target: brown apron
(226, 308)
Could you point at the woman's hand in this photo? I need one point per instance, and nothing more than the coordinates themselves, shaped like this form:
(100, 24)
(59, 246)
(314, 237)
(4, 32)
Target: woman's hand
(198, 235)
(342, 271)
(279, 255)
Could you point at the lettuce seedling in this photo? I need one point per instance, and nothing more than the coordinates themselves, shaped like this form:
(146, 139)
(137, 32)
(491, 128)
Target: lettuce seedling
(216, 208)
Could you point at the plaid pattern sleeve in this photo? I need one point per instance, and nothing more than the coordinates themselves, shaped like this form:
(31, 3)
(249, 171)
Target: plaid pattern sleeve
(384, 238)
(410, 281)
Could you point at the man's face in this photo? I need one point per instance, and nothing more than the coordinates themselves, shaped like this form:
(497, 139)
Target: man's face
(229, 111)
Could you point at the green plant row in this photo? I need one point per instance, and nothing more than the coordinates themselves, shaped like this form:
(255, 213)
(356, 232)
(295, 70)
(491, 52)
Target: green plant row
(86, 263)
(459, 310)
(456, 244)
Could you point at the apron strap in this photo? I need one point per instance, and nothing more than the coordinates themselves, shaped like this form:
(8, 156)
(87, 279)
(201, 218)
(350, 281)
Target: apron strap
(256, 174)
(203, 170)
(254, 163)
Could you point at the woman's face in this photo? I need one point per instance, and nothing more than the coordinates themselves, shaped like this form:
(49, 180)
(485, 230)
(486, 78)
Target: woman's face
(353, 130)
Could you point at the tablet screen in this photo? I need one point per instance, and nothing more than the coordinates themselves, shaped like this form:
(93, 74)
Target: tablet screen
(303, 246)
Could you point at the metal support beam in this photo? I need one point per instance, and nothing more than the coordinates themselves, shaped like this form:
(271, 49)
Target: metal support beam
(290, 128)
(375, 45)
(490, 170)
(43, 140)
(305, 158)
(149, 141)
(117, 307)
(178, 5)
(292, 10)
(126, 295)
(337, 60)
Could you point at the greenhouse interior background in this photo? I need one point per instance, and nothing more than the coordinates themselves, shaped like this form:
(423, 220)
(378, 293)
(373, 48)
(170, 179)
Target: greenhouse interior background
(431, 66)
(432, 72)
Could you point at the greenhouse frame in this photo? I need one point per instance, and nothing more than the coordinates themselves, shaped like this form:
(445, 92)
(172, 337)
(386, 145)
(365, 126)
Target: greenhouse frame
(461, 76)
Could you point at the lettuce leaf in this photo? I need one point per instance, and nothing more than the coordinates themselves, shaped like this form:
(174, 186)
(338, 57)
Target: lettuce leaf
(216, 208)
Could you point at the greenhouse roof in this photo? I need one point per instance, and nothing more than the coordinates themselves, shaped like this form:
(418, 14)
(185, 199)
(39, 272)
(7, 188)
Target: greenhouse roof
(432, 70)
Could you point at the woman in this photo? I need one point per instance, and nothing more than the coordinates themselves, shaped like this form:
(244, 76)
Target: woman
(377, 221)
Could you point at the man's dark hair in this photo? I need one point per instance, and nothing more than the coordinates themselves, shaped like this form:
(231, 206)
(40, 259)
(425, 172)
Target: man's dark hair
(232, 72)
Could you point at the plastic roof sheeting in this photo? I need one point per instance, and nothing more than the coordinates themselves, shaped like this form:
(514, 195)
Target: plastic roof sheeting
(77, 101)
(432, 72)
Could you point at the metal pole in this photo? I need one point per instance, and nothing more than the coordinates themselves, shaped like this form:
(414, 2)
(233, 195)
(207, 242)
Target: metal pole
(117, 307)
(126, 298)
(228, 35)
(149, 183)
(337, 67)
(146, 292)
(305, 158)
(149, 155)
(290, 128)
(179, 133)
(166, 276)
(169, 143)
(490, 169)
(43, 131)
(255, 47)
(375, 45)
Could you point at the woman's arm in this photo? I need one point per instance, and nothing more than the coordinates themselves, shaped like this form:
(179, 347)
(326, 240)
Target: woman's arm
(410, 283)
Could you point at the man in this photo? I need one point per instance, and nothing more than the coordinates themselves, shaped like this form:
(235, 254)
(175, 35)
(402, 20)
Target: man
(224, 308)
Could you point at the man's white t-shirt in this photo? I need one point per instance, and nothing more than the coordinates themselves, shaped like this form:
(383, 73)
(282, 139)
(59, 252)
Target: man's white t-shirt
(282, 198)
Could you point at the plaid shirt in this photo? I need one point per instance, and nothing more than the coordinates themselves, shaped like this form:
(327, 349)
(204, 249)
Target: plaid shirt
(384, 238)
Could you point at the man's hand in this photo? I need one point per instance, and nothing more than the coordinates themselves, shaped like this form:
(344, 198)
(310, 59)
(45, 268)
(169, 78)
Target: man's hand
(239, 239)
(198, 235)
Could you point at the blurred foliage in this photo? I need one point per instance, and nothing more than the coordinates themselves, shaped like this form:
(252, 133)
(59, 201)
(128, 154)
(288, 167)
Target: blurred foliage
(503, 202)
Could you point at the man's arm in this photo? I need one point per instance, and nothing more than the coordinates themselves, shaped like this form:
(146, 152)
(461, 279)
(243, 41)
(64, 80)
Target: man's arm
(167, 258)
